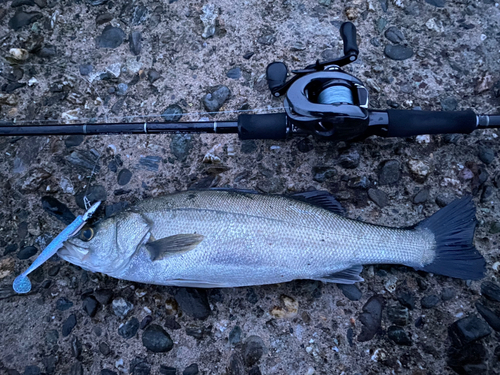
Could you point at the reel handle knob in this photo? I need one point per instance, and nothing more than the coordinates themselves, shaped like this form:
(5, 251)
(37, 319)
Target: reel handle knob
(276, 74)
(348, 34)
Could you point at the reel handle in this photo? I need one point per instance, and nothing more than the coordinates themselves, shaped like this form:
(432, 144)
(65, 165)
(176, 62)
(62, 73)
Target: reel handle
(348, 34)
(276, 74)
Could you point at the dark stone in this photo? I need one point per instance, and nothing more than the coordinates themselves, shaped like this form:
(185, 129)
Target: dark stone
(21, 19)
(12, 86)
(234, 73)
(351, 291)
(47, 51)
(371, 318)
(215, 100)
(140, 367)
(173, 113)
(108, 372)
(76, 347)
(50, 363)
(449, 104)
(398, 52)
(443, 201)
(166, 370)
(472, 354)
(63, 304)
(54, 270)
(146, 321)
(436, 3)
(192, 369)
(235, 336)
(251, 296)
(10, 249)
(491, 291)
(94, 194)
(68, 325)
(76, 369)
(447, 294)
(153, 76)
(171, 323)
(129, 329)
(305, 145)
(103, 296)
(267, 39)
(399, 336)
(321, 174)
(180, 146)
(198, 332)
(124, 177)
(421, 196)
(104, 349)
(394, 35)
(18, 3)
(248, 55)
(398, 315)
(253, 349)
(27, 252)
(350, 159)
(150, 163)
(90, 306)
(156, 339)
(429, 302)
(379, 197)
(58, 209)
(491, 318)
(103, 18)
(51, 337)
(467, 330)
(74, 140)
(389, 172)
(255, 370)
(111, 37)
(84, 159)
(486, 154)
(32, 370)
(235, 366)
(384, 4)
(139, 15)
(248, 146)
(135, 43)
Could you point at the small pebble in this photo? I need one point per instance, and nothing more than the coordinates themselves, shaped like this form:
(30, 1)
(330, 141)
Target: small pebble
(379, 197)
(124, 177)
(421, 196)
(234, 73)
(398, 52)
(111, 37)
(235, 336)
(467, 330)
(167, 370)
(63, 304)
(193, 302)
(215, 100)
(129, 329)
(156, 339)
(90, 306)
(192, 369)
(399, 336)
(351, 291)
(491, 291)
(394, 35)
(253, 349)
(429, 302)
(389, 172)
(27, 252)
(121, 307)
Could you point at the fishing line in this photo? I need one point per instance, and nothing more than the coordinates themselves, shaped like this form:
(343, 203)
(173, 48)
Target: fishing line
(335, 95)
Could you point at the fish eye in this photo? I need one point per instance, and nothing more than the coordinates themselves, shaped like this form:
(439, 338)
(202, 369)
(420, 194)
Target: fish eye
(87, 234)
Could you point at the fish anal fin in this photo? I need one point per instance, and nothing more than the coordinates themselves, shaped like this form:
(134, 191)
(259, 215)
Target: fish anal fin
(176, 244)
(348, 276)
(322, 199)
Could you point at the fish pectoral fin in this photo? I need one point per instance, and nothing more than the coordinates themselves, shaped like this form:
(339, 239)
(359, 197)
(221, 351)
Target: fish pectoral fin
(321, 199)
(348, 276)
(176, 244)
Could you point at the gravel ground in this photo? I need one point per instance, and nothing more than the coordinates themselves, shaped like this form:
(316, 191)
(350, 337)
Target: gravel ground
(108, 60)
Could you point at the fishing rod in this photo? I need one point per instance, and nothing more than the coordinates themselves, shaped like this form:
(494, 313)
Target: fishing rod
(320, 100)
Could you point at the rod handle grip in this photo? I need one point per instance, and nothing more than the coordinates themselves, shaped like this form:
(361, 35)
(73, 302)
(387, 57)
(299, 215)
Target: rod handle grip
(267, 126)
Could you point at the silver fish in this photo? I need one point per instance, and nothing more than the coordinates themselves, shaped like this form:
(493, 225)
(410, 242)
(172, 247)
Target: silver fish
(223, 238)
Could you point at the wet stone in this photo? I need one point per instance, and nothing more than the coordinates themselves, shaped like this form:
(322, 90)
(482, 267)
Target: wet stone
(351, 291)
(235, 365)
(399, 336)
(47, 51)
(248, 55)
(215, 100)
(74, 140)
(394, 35)
(235, 336)
(58, 209)
(94, 194)
(234, 73)
(429, 302)
(84, 159)
(467, 330)
(192, 369)
(253, 349)
(21, 19)
(379, 197)
(449, 104)
(135, 43)
(10, 248)
(462, 358)
(254, 371)
(371, 318)
(121, 307)
(398, 315)
(350, 159)
(63, 304)
(156, 339)
(180, 146)
(90, 306)
(398, 52)
(103, 296)
(54, 270)
(491, 318)
(251, 296)
(193, 302)
(173, 113)
(389, 172)
(421, 196)
(32, 370)
(321, 174)
(124, 177)
(27, 252)
(129, 329)
(305, 145)
(111, 37)
(50, 363)
(486, 154)
(76, 369)
(121, 89)
(146, 321)
(108, 372)
(103, 18)
(18, 3)
(104, 349)
(447, 294)
(436, 3)
(153, 76)
(491, 291)
(171, 323)
(198, 333)
(406, 298)
(167, 370)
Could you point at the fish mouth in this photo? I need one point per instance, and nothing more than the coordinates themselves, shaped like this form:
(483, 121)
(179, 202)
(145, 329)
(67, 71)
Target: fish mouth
(73, 253)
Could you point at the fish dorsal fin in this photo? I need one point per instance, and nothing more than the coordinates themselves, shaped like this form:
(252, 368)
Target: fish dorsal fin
(234, 190)
(322, 199)
(176, 244)
(348, 276)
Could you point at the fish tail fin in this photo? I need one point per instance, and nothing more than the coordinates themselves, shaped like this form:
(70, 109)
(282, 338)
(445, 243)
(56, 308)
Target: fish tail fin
(453, 227)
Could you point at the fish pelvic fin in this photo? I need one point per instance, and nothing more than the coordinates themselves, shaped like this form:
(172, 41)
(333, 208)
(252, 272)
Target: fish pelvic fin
(176, 244)
(453, 228)
(348, 276)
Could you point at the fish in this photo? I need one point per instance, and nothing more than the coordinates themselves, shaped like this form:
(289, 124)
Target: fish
(232, 238)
